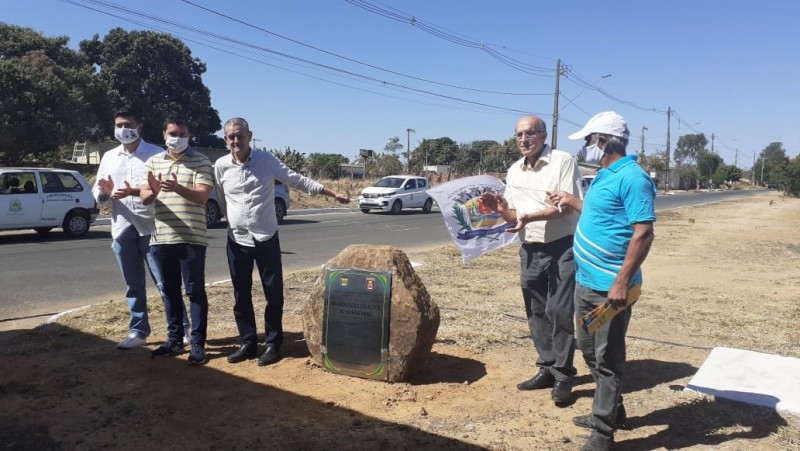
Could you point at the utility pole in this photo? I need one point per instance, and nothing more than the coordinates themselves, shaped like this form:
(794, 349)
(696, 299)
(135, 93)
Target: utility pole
(409, 131)
(666, 174)
(554, 138)
(736, 159)
(762, 171)
(643, 129)
(713, 137)
(753, 169)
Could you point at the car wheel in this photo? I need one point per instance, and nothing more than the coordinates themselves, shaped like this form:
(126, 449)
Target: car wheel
(76, 223)
(428, 206)
(213, 213)
(43, 230)
(396, 207)
(280, 210)
(365, 210)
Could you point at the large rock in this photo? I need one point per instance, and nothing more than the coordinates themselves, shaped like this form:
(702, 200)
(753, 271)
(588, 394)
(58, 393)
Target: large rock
(414, 318)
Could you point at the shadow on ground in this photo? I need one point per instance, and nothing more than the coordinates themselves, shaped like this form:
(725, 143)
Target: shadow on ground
(63, 389)
(703, 422)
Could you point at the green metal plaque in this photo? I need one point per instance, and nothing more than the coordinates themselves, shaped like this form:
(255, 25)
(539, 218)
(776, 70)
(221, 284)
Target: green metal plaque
(355, 336)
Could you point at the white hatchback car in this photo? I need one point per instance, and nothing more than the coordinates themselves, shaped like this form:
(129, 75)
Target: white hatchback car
(41, 199)
(395, 193)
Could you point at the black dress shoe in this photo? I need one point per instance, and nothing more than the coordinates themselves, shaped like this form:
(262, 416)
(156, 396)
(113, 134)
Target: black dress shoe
(270, 355)
(543, 379)
(246, 351)
(587, 421)
(562, 392)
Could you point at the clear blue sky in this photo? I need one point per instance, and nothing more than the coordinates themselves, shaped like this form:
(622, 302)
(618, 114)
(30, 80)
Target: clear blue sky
(728, 67)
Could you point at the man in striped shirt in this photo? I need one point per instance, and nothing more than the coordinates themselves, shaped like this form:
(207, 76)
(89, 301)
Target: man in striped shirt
(179, 181)
(613, 238)
(245, 182)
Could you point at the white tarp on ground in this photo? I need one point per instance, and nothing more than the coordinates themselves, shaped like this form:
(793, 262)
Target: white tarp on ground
(752, 377)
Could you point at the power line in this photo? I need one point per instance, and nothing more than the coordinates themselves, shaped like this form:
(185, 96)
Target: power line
(454, 38)
(570, 74)
(352, 60)
(280, 54)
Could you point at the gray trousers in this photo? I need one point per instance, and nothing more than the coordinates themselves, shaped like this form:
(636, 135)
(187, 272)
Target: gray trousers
(604, 353)
(547, 277)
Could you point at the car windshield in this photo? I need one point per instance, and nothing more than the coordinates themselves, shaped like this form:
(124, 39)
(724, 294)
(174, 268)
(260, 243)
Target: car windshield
(389, 182)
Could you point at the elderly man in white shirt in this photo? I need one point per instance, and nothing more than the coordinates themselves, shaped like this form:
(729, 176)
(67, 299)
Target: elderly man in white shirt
(245, 183)
(119, 176)
(547, 265)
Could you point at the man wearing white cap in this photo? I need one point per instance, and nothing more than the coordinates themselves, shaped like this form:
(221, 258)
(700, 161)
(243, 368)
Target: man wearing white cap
(612, 240)
(547, 266)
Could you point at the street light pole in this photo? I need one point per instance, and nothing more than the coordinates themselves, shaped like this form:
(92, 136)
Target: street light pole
(554, 138)
(666, 173)
(409, 131)
(643, 129)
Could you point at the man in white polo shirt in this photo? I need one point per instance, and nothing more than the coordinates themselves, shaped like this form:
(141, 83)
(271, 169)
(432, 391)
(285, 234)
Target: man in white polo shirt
(547, 266)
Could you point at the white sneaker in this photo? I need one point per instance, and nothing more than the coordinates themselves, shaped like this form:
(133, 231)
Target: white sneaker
(133, 341)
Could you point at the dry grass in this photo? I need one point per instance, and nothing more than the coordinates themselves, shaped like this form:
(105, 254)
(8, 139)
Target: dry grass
(714, 278)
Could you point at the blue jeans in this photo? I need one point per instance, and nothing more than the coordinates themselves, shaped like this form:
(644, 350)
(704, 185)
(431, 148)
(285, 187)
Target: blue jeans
(604, 354)
(132, 250)
(267, 257)
(547, 276)
(187, 261)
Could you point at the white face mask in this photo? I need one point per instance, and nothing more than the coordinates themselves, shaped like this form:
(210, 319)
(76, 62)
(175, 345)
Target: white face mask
(592, 154)
(177, 144)
(126, 135)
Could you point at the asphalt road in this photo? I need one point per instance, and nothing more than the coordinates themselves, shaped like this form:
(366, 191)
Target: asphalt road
(45, 275)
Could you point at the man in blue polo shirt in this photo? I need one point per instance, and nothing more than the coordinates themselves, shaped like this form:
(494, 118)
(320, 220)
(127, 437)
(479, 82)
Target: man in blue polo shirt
(612, 240)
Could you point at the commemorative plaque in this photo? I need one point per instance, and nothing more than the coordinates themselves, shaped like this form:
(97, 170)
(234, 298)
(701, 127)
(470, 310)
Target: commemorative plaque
(356, 316)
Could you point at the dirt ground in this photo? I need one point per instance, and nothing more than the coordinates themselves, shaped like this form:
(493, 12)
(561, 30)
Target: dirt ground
(724, 274)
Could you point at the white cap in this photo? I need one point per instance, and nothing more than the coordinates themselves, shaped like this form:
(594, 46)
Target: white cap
(607, 123)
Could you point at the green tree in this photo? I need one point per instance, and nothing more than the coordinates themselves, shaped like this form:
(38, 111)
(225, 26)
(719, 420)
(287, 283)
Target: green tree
(654, 162)
(291, 157)
(688, 147)
(393, 145)
(787, 177)
(386, 164)
(50, 98)
(771, 159)
(434, 151)
(726, 173)
(500, 156)
(466, 160)
(325, 165)
(707, 164)
(155, 74)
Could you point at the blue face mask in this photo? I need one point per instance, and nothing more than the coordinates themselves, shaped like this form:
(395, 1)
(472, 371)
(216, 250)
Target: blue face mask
(592, 154)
